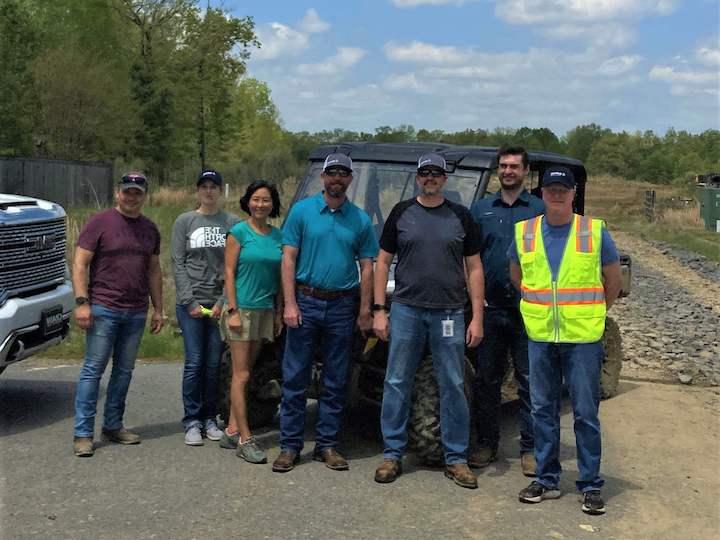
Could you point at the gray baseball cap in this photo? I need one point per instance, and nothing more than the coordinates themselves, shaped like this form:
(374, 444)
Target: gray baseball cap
(338, 160)
(133, 180)
(431, 160)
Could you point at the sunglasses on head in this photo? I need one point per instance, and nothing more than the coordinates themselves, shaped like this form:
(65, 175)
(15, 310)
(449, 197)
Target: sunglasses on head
(342, 173)
(424, 173)
(133, 179)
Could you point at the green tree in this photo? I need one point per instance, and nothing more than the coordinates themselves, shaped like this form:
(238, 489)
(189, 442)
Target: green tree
(18, 47)
(579, 140)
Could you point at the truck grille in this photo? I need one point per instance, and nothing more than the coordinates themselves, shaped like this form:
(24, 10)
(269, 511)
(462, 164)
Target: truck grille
(32, 256)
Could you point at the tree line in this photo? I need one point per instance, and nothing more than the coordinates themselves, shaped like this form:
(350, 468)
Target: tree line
(162, 85)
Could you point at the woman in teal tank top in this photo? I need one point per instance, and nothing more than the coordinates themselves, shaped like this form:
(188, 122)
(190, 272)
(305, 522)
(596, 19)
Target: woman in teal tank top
(254, 304)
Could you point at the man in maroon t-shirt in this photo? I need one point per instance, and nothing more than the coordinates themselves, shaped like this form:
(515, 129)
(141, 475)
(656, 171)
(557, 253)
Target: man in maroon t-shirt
(116, 267)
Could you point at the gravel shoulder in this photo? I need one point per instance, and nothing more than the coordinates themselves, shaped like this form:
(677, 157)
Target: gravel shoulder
(670, 323)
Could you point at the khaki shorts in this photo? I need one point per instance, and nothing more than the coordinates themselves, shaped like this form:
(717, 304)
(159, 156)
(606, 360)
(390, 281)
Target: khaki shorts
(257, 325)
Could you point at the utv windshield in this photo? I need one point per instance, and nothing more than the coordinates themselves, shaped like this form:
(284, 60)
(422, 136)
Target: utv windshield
(377, 187)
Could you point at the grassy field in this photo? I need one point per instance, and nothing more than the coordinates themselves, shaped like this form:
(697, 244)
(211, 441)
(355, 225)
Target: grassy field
(619, 202)
(677, 217)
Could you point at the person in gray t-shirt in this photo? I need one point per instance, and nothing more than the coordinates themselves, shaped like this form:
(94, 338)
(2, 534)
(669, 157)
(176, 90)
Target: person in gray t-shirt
(198, 249)
(436, 243)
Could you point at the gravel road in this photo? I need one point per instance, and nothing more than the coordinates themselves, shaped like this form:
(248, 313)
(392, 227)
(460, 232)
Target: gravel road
(670, 323)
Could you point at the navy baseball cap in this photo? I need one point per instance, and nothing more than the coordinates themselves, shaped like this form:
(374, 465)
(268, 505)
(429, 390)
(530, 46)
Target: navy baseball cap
(431, 160)
(338, 160)
(133, 180)
(559, 175)
(211, 175)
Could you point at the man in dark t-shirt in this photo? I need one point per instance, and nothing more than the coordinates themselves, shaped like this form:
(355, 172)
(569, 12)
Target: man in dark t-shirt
(116, 266)
(436, 243)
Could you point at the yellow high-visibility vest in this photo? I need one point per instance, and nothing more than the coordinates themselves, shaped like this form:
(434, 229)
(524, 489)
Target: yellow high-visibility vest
(571, 309)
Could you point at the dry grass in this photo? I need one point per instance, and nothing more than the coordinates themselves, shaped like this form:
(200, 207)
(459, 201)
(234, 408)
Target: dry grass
(173, 196)
(682, 218)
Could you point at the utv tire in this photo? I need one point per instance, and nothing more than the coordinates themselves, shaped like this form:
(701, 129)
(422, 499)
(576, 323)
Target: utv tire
(261, 409)
(612, 362)
(424, 436)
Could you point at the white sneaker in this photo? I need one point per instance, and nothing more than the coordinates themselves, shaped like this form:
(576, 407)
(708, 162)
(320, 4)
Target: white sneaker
(193, 436)
(212, 432)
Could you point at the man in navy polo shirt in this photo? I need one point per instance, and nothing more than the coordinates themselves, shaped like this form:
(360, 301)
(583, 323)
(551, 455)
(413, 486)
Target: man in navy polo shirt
(504, 330)
(324, 238)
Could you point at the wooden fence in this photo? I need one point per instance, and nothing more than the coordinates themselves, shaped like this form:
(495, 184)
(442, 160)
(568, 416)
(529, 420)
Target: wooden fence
(69, 183)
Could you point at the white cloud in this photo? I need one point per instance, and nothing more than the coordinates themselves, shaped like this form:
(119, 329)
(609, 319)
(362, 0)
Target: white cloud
(671, 75)
(345, 58)
(279, 39)
(620, 65)
(564, 11)
(419, 52)
(311, 23)
(708, 56)
(608, 34)
(415, 3)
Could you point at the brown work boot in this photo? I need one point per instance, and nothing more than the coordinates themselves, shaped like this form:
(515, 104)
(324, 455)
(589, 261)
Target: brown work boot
(286, 461)
(388, 471)
(527, 462)
(482, 457)
(461, 474)
(333, 460)
(83, 446)
(121, 436)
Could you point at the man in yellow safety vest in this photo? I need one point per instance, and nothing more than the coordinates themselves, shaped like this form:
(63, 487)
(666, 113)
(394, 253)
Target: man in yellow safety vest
(568, 272)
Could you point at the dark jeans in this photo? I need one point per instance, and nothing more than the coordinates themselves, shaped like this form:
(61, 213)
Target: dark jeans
(504, 334)
(329, 324)
(203, 348)
(579, 364)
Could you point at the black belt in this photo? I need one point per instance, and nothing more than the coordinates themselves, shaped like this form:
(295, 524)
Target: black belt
(324, 294)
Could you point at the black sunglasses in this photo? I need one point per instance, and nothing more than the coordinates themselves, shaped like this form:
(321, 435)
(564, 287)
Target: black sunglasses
(435, 174)
(133, 179)
(338, 172)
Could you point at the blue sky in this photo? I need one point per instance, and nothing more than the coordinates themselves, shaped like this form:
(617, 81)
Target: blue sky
(458, 64)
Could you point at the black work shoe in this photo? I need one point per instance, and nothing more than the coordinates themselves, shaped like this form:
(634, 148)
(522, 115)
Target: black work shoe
(536, 492)
(593, 503)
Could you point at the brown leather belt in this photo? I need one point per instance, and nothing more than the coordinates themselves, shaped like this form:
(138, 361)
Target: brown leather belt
(324, 294)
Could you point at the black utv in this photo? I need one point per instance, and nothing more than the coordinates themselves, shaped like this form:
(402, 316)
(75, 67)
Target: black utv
(384, 174)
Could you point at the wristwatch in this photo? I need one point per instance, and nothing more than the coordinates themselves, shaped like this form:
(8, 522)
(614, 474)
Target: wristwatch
(81, 300)
(379, 307)
(231, 310)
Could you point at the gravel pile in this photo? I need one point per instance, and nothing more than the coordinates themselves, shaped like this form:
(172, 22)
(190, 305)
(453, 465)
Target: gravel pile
(699, 263)
(668, 325)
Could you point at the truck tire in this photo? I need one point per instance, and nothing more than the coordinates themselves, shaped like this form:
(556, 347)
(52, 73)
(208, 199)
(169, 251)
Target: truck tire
(612, 363)
(424, 436)
(263, 394)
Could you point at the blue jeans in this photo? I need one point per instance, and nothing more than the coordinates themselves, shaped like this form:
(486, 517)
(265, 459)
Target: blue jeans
(504, 333)
(329, 324)
(119, 333)
(410, 328)
(579, 364)
(203, 349)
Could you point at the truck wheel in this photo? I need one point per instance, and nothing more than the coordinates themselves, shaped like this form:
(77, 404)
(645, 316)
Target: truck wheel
(424, 426)
(263, 394)
(612, 363)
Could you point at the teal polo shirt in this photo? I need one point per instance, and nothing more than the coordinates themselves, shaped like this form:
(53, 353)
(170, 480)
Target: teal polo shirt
(329, 242)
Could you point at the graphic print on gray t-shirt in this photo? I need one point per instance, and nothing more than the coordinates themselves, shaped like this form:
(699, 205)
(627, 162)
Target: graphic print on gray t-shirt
(198, 256)
(430, 244)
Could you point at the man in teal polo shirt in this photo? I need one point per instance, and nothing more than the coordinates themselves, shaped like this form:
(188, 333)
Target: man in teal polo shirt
(324, 238)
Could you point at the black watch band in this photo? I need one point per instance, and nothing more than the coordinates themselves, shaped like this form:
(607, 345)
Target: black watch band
(81, 300)
(231, 310)
(379, 307)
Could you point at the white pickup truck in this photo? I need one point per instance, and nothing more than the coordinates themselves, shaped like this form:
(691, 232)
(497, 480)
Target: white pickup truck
(36, 296)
